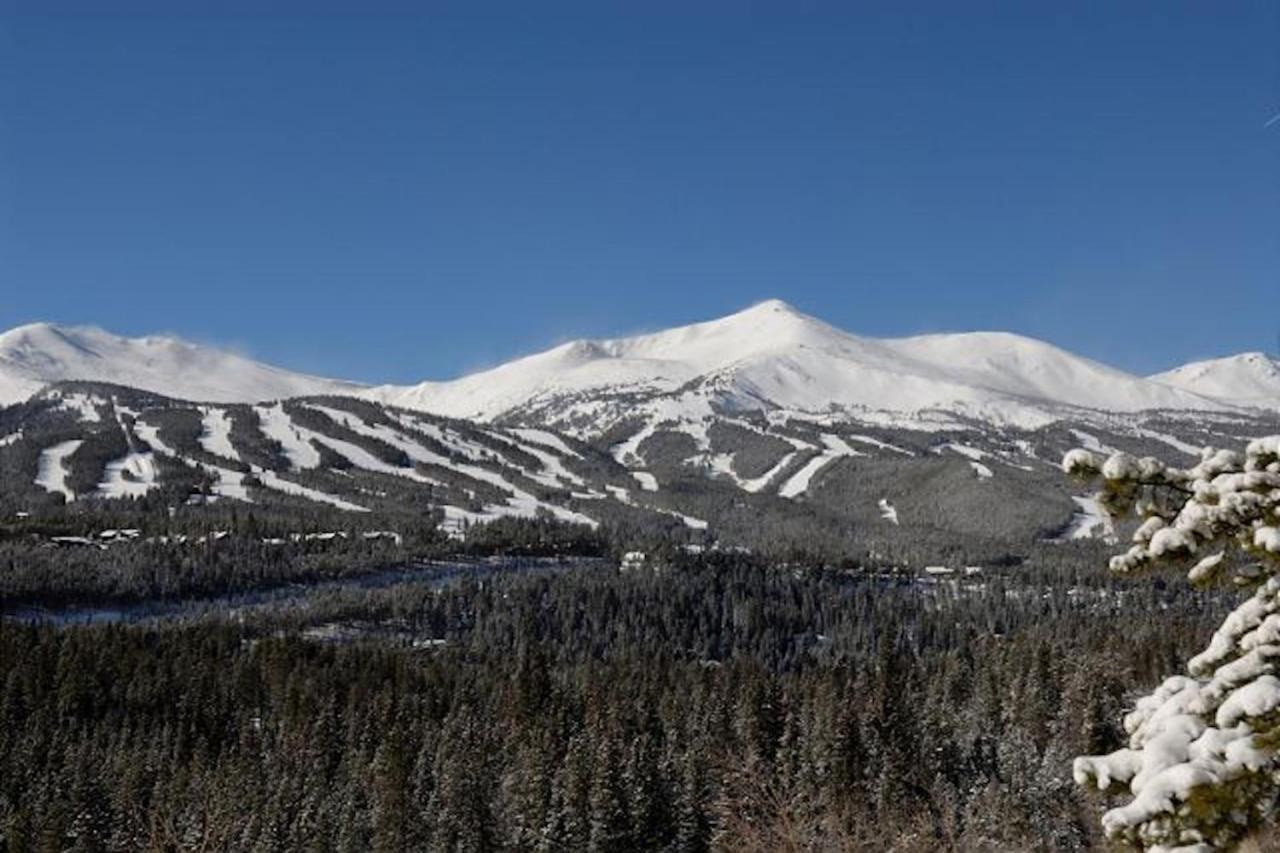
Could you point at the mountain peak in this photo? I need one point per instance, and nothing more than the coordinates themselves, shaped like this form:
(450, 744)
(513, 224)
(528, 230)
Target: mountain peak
(772, 356)
(1246, 379)
(38, 354)
(769, 311)
(771, 306)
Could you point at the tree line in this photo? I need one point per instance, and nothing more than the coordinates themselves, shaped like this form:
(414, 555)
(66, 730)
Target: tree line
(720, 703)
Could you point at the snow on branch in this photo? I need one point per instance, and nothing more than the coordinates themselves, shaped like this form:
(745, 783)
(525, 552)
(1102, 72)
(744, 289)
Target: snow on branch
(1202, 762)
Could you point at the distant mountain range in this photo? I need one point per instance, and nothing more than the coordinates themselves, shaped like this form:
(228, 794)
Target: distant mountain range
(40, 354)
(1249, 379)
(760, 428)
(769, 358)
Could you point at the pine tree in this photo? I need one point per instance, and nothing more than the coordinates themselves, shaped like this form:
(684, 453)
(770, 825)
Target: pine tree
(1202, 760)
(609, 822)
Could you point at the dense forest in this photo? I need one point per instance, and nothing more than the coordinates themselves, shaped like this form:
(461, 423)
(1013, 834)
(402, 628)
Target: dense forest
(906, 656)
(703, 702)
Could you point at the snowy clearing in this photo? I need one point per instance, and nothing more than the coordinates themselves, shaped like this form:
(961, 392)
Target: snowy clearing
(272, 480)
(887, 511)
(51, 472)
(521, 504)
(130, 476)
(227, 483)
(875, 442)
(83, 405)
(1089, 522)
(628, 452)
(276, 424)
(215, 436)
(540, 444)
(798, 483)
(647, 481)
(983, 472)
(758, 484)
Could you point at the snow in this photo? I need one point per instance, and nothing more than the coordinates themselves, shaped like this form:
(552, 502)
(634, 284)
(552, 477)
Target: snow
(875, 442)
(973, 454)
(38, 354)
(455, 442)
(456, 518)
(758, 484)
(542, 436)
(130, 476)
(623, 496)
(798, 483)
(83, 405)
(520, 504)
(11, 438)
(689, 521)
(721, 464)
(1090, 521)
(647, 481)
(227, 483)
(1226, 491)
(887, 511)
(697, 430)
(1195, 732)
(1267, 539)
(1088, 441)
(628, 452)
(771, 356)
(1201, 761)
(1248, 379)
(554, 473)
(983, 472)
(51, 471)
(216, 434)
(1173, 441)
(275, 423)
(272, 480)
(363, 459)
(965, 450)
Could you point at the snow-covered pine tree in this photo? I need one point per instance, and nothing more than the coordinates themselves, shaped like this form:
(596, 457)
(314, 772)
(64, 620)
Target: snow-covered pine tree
(1203, 760)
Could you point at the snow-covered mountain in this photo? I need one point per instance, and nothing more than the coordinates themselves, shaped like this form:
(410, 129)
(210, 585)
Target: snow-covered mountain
(763, 424)
(42, 353)
(769, 357)
(1248, 379)
(773, 357)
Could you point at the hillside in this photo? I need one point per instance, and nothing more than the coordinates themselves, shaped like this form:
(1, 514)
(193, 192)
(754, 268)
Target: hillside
(764, 429)
(79, 449)
(41, 353)
(771, 357)
(1248, 379)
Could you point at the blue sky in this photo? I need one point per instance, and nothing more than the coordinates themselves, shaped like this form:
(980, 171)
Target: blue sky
(424, 189)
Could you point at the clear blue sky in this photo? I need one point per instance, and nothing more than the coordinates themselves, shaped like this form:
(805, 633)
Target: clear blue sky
(403, 194)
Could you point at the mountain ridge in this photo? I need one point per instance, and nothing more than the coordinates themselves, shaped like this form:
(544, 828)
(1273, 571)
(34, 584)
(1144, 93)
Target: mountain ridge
(1246, 379)
(767, 357)
(35, 355)
(770, 355)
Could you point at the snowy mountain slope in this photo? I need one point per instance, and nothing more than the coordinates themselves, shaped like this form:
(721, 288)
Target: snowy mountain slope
(334, 451)
(742, 480)
(1248, 379)
(771, 356)
(42, 353)
(1024, 367)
